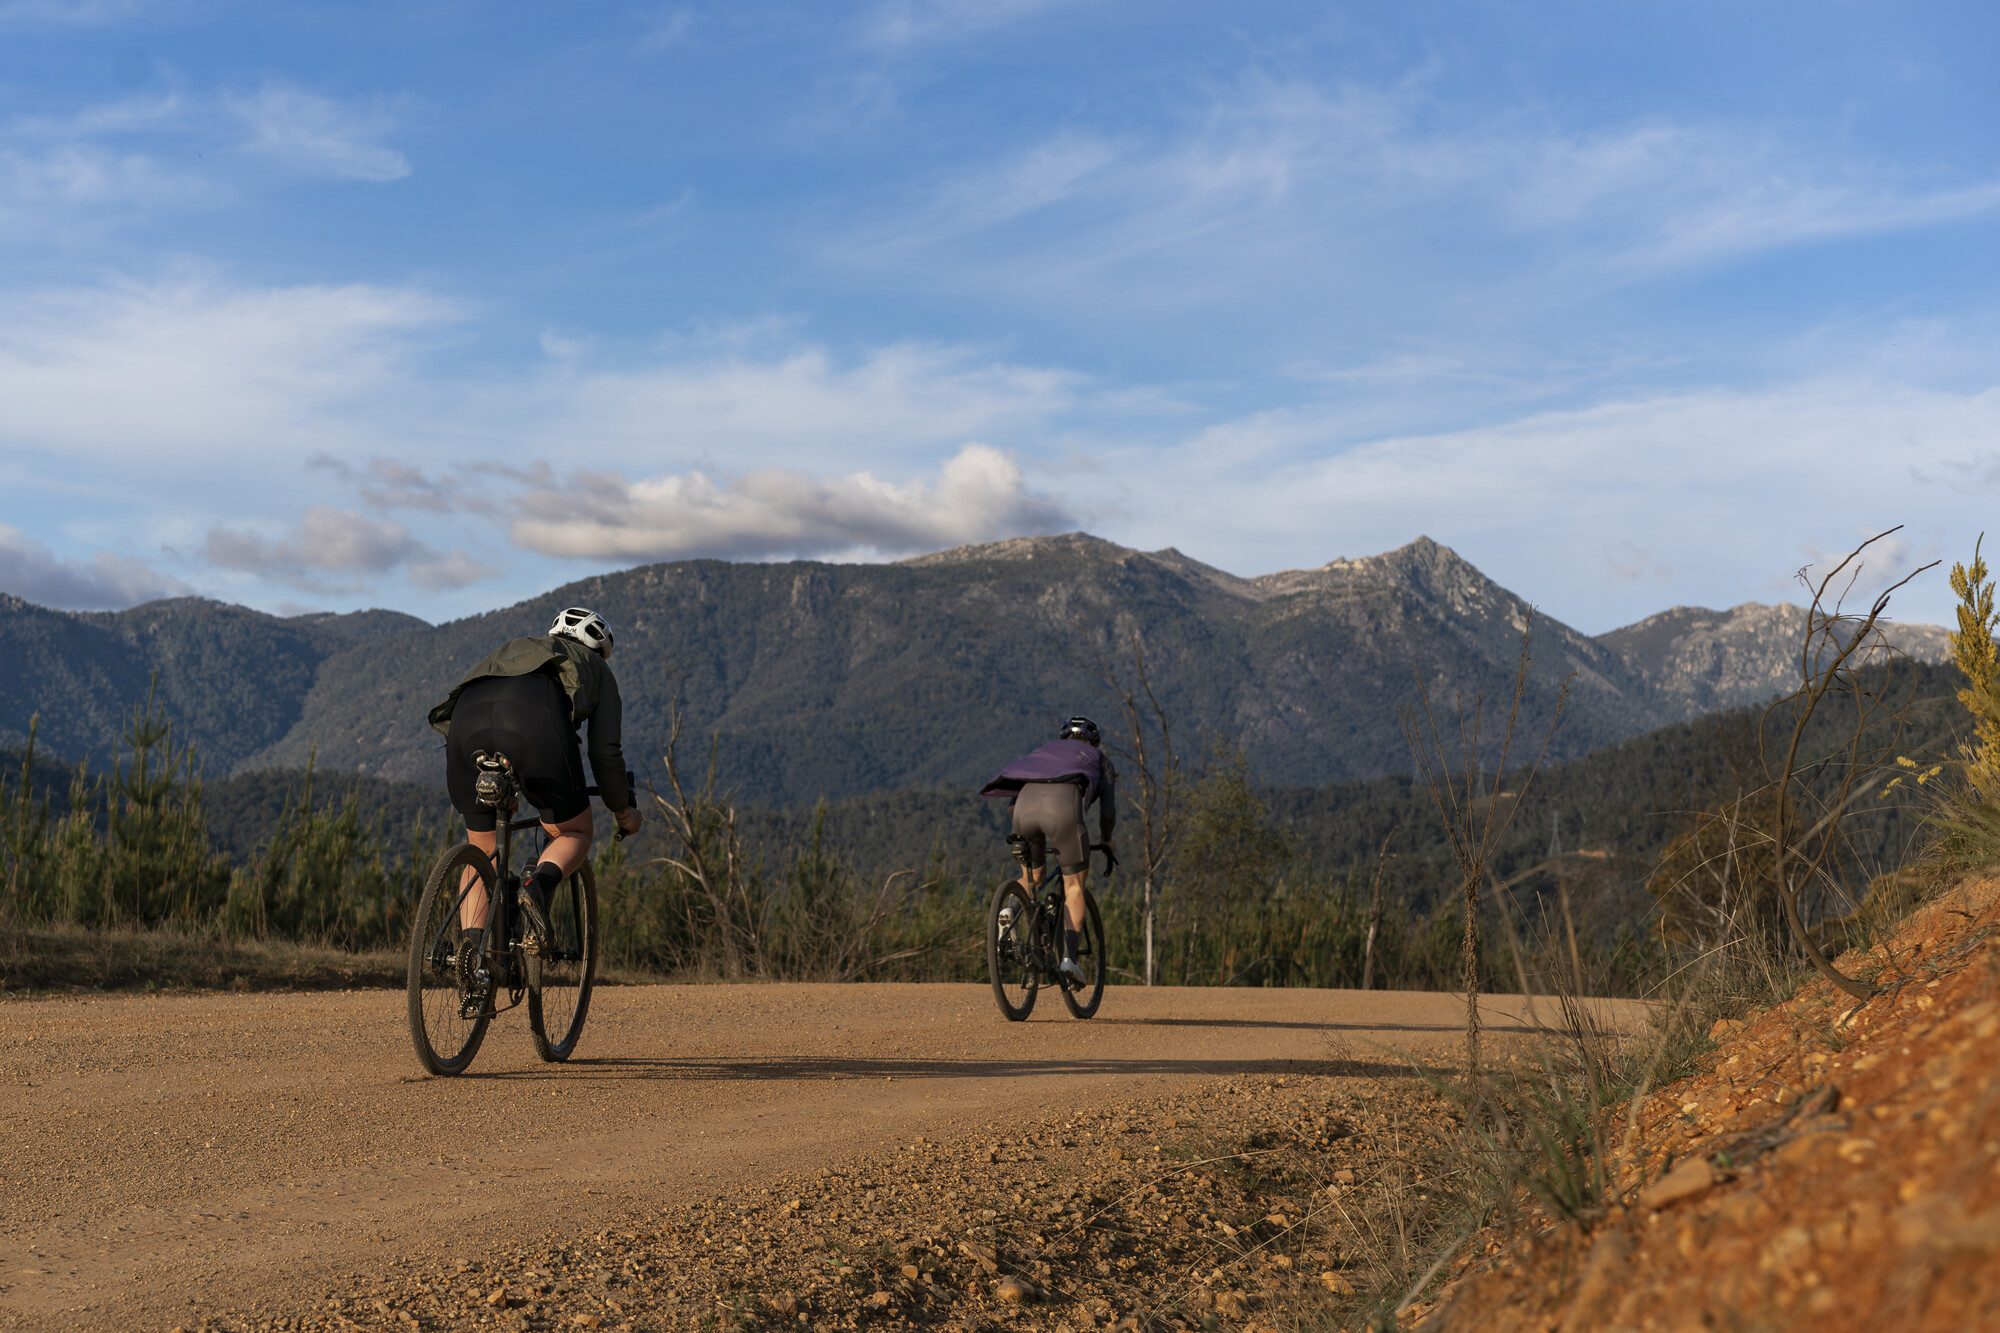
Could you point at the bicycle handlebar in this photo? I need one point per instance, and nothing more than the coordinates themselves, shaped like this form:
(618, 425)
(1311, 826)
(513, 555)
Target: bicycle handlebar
(631, 785)
(1110, 857)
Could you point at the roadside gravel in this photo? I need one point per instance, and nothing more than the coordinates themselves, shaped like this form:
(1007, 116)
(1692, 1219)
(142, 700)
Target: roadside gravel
(1217, 1207)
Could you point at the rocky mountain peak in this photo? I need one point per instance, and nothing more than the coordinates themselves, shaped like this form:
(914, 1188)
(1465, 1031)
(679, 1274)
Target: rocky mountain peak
(1024, 548)
(1695, 659)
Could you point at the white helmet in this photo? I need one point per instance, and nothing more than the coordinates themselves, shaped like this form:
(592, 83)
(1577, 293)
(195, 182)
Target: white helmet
(583, 625)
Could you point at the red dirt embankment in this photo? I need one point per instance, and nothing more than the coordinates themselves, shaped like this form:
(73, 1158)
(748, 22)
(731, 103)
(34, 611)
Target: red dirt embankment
(1834, 1166)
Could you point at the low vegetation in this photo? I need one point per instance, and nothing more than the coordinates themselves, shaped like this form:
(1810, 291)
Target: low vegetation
(1650, 853)
(92, 866)
(1767, 901)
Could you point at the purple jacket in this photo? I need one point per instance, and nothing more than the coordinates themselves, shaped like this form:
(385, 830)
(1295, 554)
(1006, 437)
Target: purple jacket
(1064, 761)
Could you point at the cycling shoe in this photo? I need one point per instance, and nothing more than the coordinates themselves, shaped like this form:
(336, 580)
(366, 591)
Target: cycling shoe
(1071, 973)
(534, 918)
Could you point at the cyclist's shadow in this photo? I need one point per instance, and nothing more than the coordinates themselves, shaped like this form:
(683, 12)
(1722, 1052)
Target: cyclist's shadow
(624, 1068)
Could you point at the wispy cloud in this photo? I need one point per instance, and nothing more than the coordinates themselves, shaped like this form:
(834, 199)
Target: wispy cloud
(57, 169)
(978, 495)
(900, 25)
(123, 161)
(211, 370)
(73, 175)
(72, 13)
(388, 483)
(726, 432)
(1710, 494)
(792, 403)
(665, 28)
(316, 135)
(333, 550)
(204, 369)
(1300, 183)
(105, 582)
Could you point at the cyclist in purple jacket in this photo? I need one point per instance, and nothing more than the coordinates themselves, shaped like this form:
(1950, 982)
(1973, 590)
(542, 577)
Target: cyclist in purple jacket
(1050, 788)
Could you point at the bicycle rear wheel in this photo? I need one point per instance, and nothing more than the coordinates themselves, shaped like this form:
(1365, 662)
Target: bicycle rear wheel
(1083, 997)
(445, 1040)
(561, 976)
(1009, 955)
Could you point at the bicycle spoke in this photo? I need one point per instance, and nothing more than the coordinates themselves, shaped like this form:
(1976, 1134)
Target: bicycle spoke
(1010, 954)
(445, 1037)
(561, 976)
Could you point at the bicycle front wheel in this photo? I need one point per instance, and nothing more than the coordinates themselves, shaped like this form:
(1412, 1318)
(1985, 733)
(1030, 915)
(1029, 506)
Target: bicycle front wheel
(561, 976)
(446, 1040)
(1082, 996)
(1009, 956)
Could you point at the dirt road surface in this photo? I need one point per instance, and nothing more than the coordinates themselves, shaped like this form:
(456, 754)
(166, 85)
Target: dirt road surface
(165, 1156)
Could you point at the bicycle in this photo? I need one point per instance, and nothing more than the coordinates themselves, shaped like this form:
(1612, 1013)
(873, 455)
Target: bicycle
(452, 988)
(1024, 942)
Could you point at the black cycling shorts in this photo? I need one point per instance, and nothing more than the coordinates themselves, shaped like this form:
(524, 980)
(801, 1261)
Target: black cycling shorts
(1050, 814)
(525, 718)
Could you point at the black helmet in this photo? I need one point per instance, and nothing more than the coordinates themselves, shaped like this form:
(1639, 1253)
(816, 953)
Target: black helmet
(1081, 729)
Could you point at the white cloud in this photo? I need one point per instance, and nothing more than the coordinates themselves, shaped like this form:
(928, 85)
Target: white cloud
(71, 13)
(444, 571)
(192, 371)
(317, 135)
(58, 172)
(234, 404)
(1715, 496)
(388, 483)
(771, 511)
(901, 24)
(30, 570)
(338, 550)
(792, 404)
(1365, 186)
(46, 190)
(189, 371)
(664, 29)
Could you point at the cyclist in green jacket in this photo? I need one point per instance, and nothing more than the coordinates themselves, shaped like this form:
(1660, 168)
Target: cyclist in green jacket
(526, 700)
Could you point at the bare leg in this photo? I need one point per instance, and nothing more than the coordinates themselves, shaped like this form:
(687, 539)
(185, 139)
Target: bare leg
(569, 842)
(472, 908)
(1073, 899)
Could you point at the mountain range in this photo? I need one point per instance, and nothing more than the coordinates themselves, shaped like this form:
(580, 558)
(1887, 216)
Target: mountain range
(838, 679)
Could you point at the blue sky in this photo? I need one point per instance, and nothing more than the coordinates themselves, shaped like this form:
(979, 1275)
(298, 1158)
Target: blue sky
(437, 305)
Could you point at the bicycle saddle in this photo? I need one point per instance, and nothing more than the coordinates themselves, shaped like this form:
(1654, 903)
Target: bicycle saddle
(494, 787)
(1020, 845)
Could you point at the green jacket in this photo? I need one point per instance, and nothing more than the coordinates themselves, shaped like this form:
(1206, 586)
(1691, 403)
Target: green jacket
(593, 694)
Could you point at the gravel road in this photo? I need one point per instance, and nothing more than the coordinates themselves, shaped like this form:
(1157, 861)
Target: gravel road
(161, 1157)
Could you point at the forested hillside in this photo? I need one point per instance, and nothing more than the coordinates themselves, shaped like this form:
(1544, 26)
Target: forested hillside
(233, 679)
(824, 680)
(1609, 814)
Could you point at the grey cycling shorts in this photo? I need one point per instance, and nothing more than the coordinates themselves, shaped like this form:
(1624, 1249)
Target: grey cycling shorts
(1050, 814)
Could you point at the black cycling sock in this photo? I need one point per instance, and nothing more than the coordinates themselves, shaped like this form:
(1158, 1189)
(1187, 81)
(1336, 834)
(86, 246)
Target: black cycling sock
(1070, 941)
(547, 875)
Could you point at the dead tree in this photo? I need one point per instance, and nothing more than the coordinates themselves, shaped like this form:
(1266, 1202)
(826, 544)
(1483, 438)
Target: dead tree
(1375, 914)
(1155, 765)
(1836, 644)
(708, 852)
(1472, 819)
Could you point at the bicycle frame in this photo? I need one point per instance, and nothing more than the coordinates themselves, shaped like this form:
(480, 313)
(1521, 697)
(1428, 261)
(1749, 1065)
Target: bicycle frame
(1050, 898)
(497, 947)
